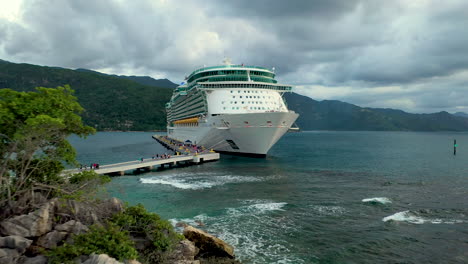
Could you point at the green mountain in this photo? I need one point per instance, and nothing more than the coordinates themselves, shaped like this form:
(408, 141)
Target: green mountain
(462, 114)
(145, 80)
(337, 115)
(137, 103)
(111, 103)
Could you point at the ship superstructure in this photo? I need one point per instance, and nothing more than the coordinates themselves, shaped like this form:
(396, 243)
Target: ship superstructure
(230, 108)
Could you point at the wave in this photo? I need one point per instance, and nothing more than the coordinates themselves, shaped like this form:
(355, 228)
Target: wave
(259, 208)
(376, 200)
(178, 184)
(323, 210)
(252, 229)
(415, 218)
(197, 182)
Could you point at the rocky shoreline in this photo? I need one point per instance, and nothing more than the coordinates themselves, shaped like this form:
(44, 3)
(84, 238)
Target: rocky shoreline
(26, 238)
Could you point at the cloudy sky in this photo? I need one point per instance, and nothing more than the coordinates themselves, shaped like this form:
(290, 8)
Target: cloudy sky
(407, 54)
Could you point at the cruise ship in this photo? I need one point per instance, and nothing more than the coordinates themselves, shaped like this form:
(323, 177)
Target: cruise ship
(235, 109)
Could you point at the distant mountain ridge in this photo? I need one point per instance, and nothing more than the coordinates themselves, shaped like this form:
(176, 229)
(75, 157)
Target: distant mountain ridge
(145, 80)
(462, 114)
(137, 103)
(337, 115)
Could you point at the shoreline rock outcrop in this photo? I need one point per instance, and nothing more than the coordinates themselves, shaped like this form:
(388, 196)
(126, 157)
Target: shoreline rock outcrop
(209, 245)
(23, 238)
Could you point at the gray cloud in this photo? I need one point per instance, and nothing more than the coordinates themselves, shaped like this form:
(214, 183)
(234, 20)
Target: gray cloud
(345, 50)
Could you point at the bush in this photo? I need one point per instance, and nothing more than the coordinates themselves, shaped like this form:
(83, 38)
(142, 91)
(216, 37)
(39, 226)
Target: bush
(85, 176)
(108, 240)
(139, 222)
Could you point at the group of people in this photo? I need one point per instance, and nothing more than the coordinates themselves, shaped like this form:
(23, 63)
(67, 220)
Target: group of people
(162, 156)
(92, 166)
(159, 156)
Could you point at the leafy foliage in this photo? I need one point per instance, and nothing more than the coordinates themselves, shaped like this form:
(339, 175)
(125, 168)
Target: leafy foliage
(108, 240)
(34, 127)
(114, 238)
(86, 176)
(139, 222)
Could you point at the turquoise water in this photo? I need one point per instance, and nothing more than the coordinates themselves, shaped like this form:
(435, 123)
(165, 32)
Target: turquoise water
(304, 202)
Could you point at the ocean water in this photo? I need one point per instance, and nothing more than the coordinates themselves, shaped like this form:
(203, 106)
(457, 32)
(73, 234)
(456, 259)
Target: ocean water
(318, 197)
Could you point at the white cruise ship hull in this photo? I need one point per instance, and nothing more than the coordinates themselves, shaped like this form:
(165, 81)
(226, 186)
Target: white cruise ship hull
(246, 133)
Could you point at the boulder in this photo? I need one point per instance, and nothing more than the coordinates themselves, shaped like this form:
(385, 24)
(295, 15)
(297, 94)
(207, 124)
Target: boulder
(89, 213)
(209, 245)
(101, 259)
(184, 252)
(34, 260)
(51, 239)
(72, 226)
(33, 224)
(81, 211)
(8, 255)
(110, 207)
(15, 242)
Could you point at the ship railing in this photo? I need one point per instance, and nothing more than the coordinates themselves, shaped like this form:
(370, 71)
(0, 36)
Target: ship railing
(227, 66)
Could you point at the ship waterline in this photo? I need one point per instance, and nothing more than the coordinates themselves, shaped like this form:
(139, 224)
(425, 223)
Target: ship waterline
(230, 108)
(252, 134)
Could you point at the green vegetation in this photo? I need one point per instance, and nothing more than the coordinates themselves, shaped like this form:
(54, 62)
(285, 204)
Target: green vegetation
(336, 115)
(115, 240)
(111, 103)
(33, 146)
(108, 240)
(149, 226)
(33, 131)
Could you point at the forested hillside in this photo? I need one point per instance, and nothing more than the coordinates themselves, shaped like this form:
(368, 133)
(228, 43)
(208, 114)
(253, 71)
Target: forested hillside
(111, 103)
(337, 115)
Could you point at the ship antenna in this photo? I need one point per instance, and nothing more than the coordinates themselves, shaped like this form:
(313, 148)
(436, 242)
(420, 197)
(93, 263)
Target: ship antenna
(227, 61)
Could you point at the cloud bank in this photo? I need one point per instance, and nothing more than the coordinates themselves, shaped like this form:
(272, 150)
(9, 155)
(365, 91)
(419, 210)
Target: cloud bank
(411, 55)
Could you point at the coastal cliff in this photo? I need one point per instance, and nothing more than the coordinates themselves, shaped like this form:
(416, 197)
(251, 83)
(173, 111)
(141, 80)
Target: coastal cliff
(55, 232)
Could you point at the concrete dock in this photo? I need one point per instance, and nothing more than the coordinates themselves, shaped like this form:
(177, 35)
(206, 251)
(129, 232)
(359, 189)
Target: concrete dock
(186, 154)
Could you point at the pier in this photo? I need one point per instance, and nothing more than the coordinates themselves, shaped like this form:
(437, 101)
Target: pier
(186, 154)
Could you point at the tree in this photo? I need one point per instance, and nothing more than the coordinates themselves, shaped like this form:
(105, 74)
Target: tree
(34, 127)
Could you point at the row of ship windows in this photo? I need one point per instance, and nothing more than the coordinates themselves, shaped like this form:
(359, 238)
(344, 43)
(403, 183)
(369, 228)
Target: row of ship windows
(254, 96)
(248, 91)
(251, 108)
(250, 102)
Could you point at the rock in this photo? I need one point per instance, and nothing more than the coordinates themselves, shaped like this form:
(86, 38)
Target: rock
(209, 245)
(8, 255)
(199, 223)
(133, 261)
(184, 252)
(111, 207)
(83, 212)
(89, 213)
(181, 224)
(15, 242)
(35, 260)
(51, 239)
(141, 243)
(72, 226)
(101, 259)
(33, 224)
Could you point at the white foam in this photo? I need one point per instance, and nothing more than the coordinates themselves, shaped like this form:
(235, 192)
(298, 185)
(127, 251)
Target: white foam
(382, 200)
(259, 208)
(410, 217)
(328, 210)
(251, 228)
(178, 184)
(405, 216)
(196, 182)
